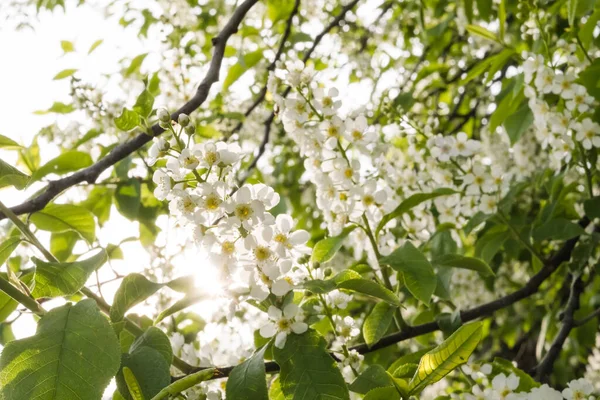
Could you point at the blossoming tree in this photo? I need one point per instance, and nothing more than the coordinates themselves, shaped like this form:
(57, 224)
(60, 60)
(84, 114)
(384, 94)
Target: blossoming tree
(435, 238)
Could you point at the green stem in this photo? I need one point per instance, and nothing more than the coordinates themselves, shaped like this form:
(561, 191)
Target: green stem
(585, 53)
(588, 172)
(21, 297)
(27, 232)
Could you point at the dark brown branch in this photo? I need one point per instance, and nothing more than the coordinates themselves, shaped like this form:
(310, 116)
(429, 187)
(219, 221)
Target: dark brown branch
(530, 288)
(121, 151)
(542, 371)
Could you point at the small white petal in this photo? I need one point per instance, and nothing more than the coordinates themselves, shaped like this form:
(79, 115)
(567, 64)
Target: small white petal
(299, 327)
(280, 340)
(299, 237)
(274, 313)
(284, 223)
(268, 330)
(290, 310)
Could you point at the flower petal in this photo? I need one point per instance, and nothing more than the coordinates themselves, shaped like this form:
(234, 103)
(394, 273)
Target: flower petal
(280, 340)
(299, 327)
(268, 330)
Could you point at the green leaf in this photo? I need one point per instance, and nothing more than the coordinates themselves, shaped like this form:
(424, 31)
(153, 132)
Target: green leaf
(73, 356)
(127, 120)
(477, 71)
(572, 11)
(408, 359)
(325, 249)
(10, 176)
(128, 199)
(411, 202)
(65, 73)
(66, 217)
(66, 162)
(61, 244)
(248, 381)
(7, 247)
(279, 9)
(591, 207)
(58, 108)
(67, 46)
(133, 386)
(384, 393)
(275, 392)
(320, 286)
(373, 377)
(586, 33)
(307, 369)
(457, 261)
(377, 323)
(557, 229)
(185, 383)
(150, 370)
(351, 280)
(482, 32)
(497, 62)
(99, 202)
(590, 77)
(517, 123)
(95, 45)
(135, 64)
(485, 9)
(419, 275)
(405, 371)
(7, 143)
(490, 243)
(156, 339)
(7, 304)
(89, 135)
(134, 289)
(179, 305)
(248, 61)
(469, 10)
(507, 106)
(144, 103)
(64, 279)
(440, 361)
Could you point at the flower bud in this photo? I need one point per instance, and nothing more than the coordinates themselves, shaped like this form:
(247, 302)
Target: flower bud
(164, 124)
(190, 129)
(163, 115)
(328, 271)
(183, 120)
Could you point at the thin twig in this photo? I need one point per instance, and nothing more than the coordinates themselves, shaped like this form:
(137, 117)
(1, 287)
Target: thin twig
(543, 369)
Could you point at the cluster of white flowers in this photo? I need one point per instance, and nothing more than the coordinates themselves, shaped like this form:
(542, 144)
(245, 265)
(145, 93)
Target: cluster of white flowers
(254, 251)
(360, 177)
(505, 387)
(563, 125)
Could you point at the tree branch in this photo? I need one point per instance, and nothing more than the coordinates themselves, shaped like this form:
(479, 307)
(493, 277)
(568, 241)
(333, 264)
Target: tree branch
(530, 288)
(121, 151)
(543, 369)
